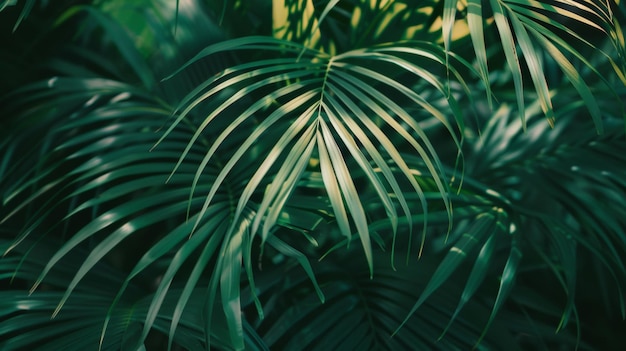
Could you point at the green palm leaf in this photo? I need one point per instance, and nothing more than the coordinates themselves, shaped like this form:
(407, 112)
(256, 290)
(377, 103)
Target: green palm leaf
(361, 313)
(82, 315)
(311, 110)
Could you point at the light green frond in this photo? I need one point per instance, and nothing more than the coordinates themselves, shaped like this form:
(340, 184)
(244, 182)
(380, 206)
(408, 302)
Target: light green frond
(322, 80)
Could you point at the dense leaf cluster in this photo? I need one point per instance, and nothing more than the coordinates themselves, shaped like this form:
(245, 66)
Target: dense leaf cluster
(320, 175)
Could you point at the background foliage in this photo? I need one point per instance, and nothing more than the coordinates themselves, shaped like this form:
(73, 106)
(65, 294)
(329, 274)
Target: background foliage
(312, 175)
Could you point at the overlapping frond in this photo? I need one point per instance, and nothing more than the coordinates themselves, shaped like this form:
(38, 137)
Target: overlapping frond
(339, 110)
(80, 324)
(367, 125)
(545, 180)
(361, 313)
(533, 32)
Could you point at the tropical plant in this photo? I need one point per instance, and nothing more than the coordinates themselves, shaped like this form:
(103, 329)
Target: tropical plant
(351, 174)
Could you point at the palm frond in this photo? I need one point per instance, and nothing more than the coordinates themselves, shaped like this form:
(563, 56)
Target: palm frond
(25, 11)
(553, 182)
(317, 117)
(526, 28)
(361, 313)
(82, 315)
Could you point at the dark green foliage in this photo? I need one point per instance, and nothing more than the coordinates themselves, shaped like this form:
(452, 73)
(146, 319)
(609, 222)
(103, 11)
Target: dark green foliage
(335, 175)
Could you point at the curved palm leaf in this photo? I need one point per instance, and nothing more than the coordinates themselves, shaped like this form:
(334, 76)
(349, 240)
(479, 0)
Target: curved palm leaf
(82, 315)
(26, 9)
(524, 25)
(314, 106)
(98, 155)
(551, 183)
(361, 313)
(109, 156)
